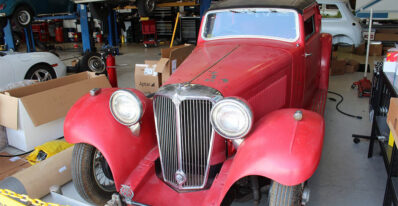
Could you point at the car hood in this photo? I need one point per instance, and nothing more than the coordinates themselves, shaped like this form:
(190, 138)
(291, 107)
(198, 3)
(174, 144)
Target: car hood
(231, 68)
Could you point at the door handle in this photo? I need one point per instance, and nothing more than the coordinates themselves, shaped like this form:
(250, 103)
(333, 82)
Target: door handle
(307, 54)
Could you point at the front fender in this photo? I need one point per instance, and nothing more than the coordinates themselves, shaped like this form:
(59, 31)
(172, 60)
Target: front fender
(280, 148)
(90, 121)
(326, 41)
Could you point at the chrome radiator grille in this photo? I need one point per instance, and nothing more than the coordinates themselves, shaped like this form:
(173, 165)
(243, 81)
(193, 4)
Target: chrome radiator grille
(185, 138)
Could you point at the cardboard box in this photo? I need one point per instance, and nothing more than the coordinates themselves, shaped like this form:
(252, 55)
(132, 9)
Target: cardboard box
(352, 66)
(376, 49)
(350, 69)
(36, 180)
(338, 67)
(151, 75)
(389, 66)
(386, 37)
(35, 114)
(346, 48)
(360, 50)
(334, 55)
(147, 77)
(392, 117)
(175, 56)
(11, 165)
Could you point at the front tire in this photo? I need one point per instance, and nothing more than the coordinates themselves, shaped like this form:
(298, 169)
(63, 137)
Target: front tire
(91, 174)
(283, 195)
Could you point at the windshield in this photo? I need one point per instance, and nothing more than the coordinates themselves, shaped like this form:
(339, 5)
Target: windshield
(281, 24)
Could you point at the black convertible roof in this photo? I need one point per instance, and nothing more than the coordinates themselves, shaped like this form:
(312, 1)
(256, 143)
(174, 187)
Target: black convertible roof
(298, 5)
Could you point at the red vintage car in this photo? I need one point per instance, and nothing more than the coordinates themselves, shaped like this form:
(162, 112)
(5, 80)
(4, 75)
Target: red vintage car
(241, 116)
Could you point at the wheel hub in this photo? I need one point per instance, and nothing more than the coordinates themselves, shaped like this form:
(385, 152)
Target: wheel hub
(24, 17)
(96, 64)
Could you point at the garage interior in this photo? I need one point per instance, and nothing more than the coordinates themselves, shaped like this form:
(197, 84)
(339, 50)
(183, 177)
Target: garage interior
(130, 51)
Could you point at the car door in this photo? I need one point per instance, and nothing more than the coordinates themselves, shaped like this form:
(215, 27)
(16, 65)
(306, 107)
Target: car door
(312, 54)
(6, 70)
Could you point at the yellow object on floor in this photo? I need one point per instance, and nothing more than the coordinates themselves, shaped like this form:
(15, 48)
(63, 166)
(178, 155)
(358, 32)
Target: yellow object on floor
(6, 198)
(47, 150)
(391, 140)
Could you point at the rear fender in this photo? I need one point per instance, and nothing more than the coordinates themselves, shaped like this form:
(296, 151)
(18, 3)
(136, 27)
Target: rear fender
(90, 121)
(280, 148)
(326, 41)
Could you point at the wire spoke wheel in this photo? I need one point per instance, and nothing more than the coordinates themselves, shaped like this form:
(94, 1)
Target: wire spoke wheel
(102, 173)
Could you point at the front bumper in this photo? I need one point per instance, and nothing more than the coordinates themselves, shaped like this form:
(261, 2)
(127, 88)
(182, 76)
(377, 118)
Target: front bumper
(144, 182)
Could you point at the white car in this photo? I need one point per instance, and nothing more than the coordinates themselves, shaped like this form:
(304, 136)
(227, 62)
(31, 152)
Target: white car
(339, 21)
(41, 66)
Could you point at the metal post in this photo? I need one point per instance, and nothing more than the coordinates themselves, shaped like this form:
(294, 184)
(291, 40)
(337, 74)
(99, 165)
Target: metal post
(367, 49)
(111, 22)
(30, 42)
(84, 28)
(8, 38)
(117, 38)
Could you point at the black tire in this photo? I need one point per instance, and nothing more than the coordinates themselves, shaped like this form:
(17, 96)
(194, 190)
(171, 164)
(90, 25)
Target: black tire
(84, 178)
(41, 72)
(92, 62)
(146, 7)
(282, 195)
(22, 17)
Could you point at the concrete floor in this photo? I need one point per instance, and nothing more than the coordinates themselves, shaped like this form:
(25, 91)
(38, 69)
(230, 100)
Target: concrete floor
(345, 176)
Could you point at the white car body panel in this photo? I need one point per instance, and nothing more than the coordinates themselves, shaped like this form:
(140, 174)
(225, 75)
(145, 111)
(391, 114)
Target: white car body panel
(345, 29)
(14, 65)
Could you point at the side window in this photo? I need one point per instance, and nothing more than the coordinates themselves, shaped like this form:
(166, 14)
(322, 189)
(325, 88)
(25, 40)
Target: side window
(330, 11)
(309, 27)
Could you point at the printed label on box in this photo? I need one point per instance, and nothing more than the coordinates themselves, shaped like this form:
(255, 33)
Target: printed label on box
(173, 65)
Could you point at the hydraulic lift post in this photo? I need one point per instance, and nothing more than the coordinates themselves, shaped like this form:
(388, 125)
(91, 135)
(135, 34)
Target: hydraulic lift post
(8, 39)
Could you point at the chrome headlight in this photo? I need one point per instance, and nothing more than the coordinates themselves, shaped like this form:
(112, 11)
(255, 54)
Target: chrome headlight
(231, 118)
(126, 107)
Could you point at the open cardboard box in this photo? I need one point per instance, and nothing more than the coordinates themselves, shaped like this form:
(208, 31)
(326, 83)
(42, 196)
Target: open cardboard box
(151, 75)
(35, 114)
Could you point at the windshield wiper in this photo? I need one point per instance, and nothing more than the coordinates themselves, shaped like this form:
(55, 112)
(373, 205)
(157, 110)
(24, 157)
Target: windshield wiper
(234, 11)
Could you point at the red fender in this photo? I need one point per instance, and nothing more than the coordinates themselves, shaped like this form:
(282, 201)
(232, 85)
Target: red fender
(326, 40)
(90, 121)
(280, 148)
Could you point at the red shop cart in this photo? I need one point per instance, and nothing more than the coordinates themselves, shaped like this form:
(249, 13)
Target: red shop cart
(148, 28)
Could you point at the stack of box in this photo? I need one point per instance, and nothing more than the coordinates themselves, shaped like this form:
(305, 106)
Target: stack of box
(151, 75)
(337, 67)
(340, 67)
(351, 66)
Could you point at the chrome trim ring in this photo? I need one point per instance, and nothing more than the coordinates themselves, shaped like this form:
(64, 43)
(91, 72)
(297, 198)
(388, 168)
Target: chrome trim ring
(139, 104)
(246, 110)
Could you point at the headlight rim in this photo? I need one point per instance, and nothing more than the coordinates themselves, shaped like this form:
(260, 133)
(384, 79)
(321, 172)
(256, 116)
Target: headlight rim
(246, 110)
(140, 104)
